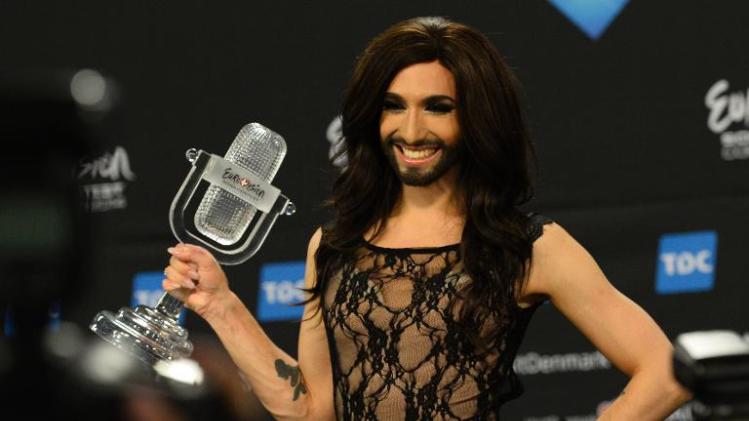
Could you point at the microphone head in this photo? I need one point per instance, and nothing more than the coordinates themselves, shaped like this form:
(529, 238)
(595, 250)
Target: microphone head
(258, 149)
(222, 216)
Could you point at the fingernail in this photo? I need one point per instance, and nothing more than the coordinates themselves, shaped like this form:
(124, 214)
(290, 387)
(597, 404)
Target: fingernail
(170, 250)
(190, 283)
(193, 275)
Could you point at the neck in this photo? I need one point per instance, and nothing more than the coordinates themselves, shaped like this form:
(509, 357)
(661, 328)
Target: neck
(430, 215)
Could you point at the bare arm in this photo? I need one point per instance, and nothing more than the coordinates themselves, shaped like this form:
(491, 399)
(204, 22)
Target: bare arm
(288, 389)
(564, 271)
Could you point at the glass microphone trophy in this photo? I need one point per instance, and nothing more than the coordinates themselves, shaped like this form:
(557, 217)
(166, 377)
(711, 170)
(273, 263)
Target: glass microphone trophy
(232, 219)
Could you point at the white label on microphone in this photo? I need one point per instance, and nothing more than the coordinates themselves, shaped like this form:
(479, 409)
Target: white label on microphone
(241, 182)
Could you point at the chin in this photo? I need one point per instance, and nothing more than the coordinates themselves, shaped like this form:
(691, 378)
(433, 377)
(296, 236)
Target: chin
(418, 178)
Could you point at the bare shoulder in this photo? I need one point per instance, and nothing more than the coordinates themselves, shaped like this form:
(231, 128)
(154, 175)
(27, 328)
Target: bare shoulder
(553, 240)
(310, 271)
(314, 241)
(558, 258)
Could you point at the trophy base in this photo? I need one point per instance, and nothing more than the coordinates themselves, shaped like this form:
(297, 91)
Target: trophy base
(143, 332)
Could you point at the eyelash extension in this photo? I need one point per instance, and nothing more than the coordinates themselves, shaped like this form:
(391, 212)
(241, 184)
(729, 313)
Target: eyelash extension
(391, 105)
(440, 108)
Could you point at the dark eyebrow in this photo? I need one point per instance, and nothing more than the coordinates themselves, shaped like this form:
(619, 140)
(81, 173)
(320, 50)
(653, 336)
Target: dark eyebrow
(428, 100)
(438, 98)
(393, 97)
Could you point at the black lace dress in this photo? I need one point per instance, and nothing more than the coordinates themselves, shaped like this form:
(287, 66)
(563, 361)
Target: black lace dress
(398, 351)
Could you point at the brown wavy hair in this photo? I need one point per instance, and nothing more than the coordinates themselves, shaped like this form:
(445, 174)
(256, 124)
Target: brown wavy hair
(495, 171)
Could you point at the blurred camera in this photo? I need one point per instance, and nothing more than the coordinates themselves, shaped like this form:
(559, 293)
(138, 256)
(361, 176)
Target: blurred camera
(714, 366)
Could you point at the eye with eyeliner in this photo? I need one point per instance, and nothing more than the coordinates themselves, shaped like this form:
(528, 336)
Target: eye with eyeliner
(391, 105)
(435, 104)
(440, 107)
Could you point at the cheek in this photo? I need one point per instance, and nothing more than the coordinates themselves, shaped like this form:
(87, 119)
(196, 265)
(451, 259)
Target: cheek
(448, 130)
(387, 126)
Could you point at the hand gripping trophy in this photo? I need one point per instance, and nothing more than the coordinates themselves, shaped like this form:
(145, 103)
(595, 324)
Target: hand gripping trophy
(232, 219)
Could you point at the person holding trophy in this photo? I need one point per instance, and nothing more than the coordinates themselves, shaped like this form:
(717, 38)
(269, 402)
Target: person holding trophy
(421, 288)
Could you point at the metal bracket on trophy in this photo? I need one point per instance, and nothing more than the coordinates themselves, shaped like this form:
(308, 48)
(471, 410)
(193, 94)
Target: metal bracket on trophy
(232, 219)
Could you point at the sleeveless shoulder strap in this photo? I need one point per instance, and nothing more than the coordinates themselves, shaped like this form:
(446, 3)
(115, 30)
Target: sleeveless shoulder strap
(536, 224)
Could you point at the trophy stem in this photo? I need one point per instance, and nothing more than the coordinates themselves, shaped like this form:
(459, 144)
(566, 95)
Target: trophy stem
(169, 306)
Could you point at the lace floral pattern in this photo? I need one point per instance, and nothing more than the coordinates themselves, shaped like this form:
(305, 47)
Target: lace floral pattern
(398, 349)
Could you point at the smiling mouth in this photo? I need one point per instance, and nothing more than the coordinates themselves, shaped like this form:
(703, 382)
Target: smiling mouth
(416, 155)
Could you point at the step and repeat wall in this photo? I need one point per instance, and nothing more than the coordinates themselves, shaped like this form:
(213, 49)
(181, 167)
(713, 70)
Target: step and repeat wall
(639, 111)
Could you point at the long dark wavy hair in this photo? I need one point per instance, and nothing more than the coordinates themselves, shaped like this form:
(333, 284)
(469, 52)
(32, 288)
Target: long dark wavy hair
(496, 169)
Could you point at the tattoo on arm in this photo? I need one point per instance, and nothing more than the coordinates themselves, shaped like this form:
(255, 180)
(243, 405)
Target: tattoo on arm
(286, 371)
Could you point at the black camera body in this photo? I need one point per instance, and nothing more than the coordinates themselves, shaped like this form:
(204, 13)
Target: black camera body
(714, 366)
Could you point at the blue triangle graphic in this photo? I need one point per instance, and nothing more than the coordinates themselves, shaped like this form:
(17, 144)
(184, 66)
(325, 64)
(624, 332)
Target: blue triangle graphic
(591, 16)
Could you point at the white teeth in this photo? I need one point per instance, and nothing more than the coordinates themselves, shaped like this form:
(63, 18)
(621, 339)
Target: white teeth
(418, 154)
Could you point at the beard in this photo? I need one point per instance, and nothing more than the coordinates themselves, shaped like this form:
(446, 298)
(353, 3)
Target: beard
(420, 177)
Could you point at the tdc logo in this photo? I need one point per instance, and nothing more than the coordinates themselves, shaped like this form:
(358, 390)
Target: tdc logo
(686, 262)
(280, 289)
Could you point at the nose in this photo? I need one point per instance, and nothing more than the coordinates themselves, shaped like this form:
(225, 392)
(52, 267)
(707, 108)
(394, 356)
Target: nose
(411, 127)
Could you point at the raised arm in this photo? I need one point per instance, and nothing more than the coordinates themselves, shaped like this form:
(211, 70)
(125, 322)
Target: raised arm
(288, 389)
(565, 272)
